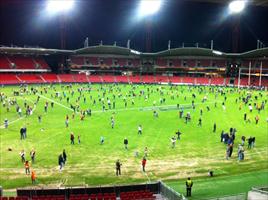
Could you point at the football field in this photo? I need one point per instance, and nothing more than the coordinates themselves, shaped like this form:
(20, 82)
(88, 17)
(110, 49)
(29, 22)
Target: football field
(90, 163)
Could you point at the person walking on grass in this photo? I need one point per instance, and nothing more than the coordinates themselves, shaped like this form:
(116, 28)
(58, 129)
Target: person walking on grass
(139, 129)
(126, 143)
(32, 154)
(118, 167)
(61, 161)
(33, 177)
(72, 138)
(27, 167)
(214, 127)
(143, 163)
(64, 156)
(22, 155)
(189, 185)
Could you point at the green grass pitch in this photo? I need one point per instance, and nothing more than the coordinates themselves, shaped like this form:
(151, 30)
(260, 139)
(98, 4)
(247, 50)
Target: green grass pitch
(90, 163)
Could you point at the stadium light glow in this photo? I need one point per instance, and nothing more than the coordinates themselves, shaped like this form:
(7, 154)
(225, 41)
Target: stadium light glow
(149, 7)
(217, 52)
(59, 6)
(237, 6)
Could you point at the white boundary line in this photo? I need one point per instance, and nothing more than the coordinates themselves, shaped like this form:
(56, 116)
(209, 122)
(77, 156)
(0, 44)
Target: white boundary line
(54, 101)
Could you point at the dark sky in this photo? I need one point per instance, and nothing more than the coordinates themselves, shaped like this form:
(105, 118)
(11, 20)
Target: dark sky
(24, 22)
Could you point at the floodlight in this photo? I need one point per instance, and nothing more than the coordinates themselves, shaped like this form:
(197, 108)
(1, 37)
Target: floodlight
(149, 7)
(217, 52)
(58, 6)
(237, 6)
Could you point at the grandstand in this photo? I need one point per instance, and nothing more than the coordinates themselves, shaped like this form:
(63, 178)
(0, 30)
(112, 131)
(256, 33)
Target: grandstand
(110, 64)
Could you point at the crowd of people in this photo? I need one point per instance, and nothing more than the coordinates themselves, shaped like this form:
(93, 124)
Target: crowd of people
(109, 102)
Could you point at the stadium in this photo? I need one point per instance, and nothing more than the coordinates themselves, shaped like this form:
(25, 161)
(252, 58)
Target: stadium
(132, 119)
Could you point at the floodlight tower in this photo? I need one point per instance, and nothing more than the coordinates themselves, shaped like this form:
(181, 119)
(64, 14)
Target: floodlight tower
(235, 8)
(147, 8)
(60, 8)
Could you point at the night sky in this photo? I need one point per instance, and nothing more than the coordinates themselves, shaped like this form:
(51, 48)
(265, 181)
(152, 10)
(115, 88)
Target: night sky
(24, 22)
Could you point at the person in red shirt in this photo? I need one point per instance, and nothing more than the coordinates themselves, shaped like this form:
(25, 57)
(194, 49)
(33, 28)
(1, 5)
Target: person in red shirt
(143, 163)
(33, 177)
(27, 167)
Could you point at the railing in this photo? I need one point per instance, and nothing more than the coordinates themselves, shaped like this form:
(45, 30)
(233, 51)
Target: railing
(169, 193)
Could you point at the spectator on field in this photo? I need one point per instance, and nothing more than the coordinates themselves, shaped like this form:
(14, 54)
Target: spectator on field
(146, 151)
(6, 123)
(257, 118)
(240, 152)
(64, 156)
(140, 129)
(214, 127)
(27, 167)
(72, 138)
(243, 139)
(173, 142)
(61, 162)
(189, 185)
(33, 177)
(32, 154)
(143, 163)
(126, 143)
(79, 139)
(22, 155)
(101, 140)
(118, 167)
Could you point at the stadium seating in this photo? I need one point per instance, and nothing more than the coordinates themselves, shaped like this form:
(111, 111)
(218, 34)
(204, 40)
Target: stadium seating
(30, 78)
(161, 62)
(205, 63)
(66, 78)
(135, 79)
(202, 81)
(94, 79)
(121, 79)
(9, 79)
(160, 79)
(41, 62)
(49, 78)
(175, 79)
(217, 81)
(80, 78)
(147, 79)
(189, 80)
(4, 63)
(23, 62)
(108, 79)
(137, 195)
(122, 62)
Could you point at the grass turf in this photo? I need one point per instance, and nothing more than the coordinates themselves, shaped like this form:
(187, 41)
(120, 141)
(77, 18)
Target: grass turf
(93, 164)
(205, 188)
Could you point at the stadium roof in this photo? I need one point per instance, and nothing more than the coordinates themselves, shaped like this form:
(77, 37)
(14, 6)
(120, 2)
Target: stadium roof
(33, 51)
(117, 50)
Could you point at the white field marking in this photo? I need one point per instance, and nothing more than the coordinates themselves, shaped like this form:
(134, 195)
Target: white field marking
(20, 118)
(54, 102)
(127, 109)
(150, 108)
